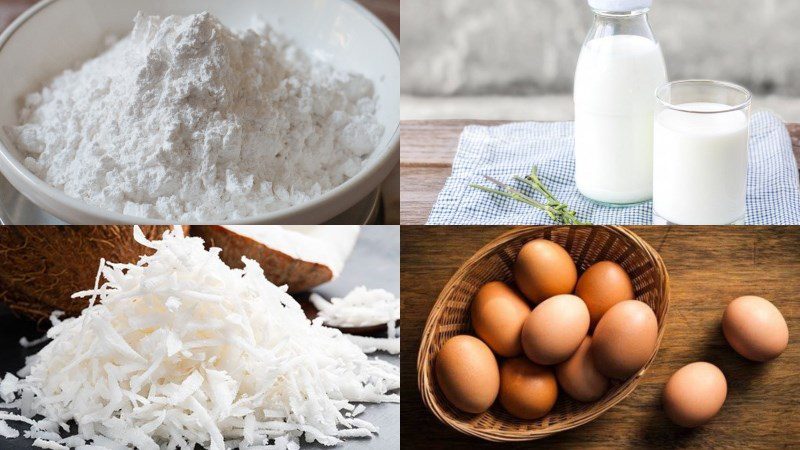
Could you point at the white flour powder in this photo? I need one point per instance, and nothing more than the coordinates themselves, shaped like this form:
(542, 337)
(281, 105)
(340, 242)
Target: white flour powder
(188, 120)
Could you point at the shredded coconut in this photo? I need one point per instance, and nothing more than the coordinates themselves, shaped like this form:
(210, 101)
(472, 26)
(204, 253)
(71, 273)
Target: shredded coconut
(358, 410)
(392, 330)
(73, 441)
(50, 445)
(361, 307)
(6, 431)
(235, 364)
(24, 342)
(190, 121)
(372, 344)
(8, 387)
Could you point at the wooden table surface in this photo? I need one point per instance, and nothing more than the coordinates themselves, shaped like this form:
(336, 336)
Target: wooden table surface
(708, 267)
(427, 149)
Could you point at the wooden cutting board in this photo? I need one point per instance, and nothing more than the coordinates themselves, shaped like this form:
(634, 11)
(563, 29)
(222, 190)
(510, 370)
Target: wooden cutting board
(427, 149)
(708, 267)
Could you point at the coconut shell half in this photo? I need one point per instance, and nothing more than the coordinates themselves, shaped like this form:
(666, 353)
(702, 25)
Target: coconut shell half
(301, 260)
(42, 266)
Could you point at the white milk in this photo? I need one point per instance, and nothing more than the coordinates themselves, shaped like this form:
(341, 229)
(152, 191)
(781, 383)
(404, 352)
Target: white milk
(700, 165)
(615, 85)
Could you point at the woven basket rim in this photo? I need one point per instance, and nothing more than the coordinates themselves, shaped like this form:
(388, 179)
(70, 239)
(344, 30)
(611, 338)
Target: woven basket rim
(426, 383)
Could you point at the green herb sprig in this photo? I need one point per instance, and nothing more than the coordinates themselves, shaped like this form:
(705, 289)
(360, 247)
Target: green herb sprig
(556, 210)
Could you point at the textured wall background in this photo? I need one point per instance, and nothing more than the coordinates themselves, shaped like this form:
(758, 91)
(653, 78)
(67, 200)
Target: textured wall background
(530, 47)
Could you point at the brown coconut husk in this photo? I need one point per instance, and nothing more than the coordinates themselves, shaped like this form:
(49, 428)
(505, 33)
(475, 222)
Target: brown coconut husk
(279, 268)
(42, 266)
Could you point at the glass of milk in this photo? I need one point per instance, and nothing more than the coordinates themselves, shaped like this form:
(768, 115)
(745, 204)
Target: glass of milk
(700, 153)
(619, 69)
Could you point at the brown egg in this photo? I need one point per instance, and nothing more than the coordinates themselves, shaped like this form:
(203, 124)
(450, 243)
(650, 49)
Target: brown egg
(624, 339)
(498, 313)
(527, 390)
(694, 394)
(579, 377)
(555, 329)
(755, 328)
(467, 373)
(544, 269)
(602, 286)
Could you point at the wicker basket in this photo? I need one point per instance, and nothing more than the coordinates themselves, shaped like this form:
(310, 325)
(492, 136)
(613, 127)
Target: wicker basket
(450, 317)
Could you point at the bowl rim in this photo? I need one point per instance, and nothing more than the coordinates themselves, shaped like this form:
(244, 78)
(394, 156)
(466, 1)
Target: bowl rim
(343, 195)
(424, 363)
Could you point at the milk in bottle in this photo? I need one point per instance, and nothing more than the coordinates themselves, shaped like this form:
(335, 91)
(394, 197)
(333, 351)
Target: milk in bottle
(619, 69)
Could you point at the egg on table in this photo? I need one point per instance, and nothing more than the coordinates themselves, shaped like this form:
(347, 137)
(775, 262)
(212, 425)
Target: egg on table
(624, 339)
(527, 390)
(555, 329)
(467, 373)
(603, 285)
(755, 328)
(694, 394)
(498, 313)
(544, 269)
(579, 377)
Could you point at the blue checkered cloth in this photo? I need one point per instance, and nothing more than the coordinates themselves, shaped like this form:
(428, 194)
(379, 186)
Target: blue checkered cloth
(773, 191)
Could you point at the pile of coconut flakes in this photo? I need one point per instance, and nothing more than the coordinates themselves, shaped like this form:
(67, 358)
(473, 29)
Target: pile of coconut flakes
(361, 307)
(183, 350)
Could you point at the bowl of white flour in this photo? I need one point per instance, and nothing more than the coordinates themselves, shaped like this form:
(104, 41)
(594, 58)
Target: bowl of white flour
(198, 111)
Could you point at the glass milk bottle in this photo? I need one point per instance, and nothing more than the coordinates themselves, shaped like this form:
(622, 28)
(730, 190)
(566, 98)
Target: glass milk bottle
(619, 69)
